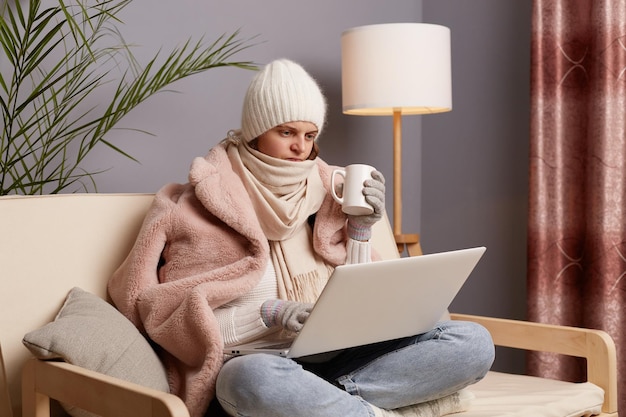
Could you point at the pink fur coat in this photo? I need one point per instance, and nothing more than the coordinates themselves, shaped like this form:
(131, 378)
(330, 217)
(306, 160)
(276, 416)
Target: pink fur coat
(200, 247)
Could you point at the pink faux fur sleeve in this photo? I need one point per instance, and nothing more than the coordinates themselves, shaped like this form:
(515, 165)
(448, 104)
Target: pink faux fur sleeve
(186, 261)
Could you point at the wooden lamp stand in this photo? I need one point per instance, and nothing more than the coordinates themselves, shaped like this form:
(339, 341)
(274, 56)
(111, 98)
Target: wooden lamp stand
(408, 242)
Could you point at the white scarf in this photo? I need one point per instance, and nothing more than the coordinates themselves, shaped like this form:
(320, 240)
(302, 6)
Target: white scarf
(284, 194)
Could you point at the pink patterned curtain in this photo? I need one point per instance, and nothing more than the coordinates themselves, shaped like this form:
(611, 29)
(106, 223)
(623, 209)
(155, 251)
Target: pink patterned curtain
(577, 218)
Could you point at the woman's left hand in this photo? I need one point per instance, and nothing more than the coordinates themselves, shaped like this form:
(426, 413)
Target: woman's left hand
(359, 227)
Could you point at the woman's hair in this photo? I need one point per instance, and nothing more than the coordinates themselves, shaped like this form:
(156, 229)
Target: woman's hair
(314, 152)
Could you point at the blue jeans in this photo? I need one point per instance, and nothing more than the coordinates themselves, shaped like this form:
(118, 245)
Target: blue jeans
(389, 375)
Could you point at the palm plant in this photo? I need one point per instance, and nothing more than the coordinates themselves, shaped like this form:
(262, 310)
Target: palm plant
(56, 58)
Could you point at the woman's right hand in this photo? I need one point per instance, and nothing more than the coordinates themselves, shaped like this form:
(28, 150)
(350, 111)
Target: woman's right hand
(291, 315)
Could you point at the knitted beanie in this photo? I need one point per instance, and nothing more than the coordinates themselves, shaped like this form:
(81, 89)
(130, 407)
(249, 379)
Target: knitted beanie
(282, 92)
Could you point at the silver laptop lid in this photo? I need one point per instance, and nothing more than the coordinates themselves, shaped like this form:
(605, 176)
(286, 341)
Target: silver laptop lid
(384, 300)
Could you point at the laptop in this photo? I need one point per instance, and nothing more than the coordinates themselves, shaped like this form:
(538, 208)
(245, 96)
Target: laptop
(374, 302)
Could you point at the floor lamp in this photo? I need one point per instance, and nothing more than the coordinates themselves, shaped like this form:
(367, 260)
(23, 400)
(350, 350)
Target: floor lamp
(396, 69)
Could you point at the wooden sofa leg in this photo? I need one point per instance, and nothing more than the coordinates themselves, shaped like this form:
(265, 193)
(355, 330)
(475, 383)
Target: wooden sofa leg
(34, 404)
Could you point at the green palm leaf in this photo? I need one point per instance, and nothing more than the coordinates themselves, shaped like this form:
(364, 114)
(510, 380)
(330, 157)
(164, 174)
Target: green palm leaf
(55, 64)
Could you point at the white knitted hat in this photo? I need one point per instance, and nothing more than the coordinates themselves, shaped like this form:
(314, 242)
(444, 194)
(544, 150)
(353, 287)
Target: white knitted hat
(282, 92)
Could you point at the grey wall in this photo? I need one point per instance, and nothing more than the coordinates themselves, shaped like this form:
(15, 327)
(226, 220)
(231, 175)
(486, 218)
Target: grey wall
(475, 158)
(465, 172)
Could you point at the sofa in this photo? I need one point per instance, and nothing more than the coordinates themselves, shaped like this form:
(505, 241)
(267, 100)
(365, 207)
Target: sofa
(66, 350)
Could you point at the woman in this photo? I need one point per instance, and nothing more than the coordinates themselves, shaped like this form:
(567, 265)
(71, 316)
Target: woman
(245, 247)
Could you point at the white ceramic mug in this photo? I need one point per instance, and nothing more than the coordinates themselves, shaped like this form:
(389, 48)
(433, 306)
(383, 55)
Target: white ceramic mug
(352, 199)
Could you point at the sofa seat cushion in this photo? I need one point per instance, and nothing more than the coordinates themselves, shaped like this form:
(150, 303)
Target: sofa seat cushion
(509, 395)
(91, 333)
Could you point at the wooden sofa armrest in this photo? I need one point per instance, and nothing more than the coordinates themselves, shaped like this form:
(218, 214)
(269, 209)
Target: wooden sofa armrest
(91, 391)
(594, 345)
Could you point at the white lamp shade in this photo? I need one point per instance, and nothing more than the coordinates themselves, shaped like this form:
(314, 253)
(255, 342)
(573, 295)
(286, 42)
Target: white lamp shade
(396, 67)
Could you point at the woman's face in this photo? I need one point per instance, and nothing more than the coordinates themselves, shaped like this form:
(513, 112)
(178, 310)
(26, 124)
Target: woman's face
(292, 141)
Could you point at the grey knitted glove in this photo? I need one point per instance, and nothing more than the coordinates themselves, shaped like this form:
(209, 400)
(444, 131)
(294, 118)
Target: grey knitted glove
(360, 227)
(291, 315)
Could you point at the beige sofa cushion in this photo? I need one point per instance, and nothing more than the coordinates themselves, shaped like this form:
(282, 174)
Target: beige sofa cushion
(508, 395)
(91, 333)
